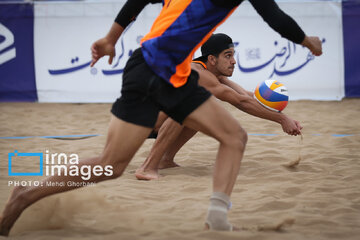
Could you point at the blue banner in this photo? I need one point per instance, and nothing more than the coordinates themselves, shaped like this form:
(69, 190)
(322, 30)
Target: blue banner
(17, 73)
(351, 31)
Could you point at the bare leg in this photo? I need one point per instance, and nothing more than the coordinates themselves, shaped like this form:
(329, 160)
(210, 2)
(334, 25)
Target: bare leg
(168, 132)
(160, 120)
(211, 119)
(167, 160)
(117, 153)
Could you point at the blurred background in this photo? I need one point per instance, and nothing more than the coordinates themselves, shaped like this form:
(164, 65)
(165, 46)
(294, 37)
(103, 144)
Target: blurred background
(45, 49)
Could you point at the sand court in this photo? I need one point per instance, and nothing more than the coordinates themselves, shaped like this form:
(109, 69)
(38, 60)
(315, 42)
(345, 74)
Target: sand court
(287, 188)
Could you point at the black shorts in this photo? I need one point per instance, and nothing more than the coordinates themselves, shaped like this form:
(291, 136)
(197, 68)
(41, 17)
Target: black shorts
(144, 94)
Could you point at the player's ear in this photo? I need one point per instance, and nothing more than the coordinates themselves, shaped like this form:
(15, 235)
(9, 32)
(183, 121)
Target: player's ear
(212, 59)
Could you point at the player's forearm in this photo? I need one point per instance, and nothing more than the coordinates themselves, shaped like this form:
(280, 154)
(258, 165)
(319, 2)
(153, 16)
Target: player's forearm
(245, 103)
(115, 32)
(252, 107)
(235, 86)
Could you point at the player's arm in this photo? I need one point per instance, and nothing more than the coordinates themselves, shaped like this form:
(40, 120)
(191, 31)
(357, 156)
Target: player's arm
(243, 101)
(240, 100)
(131, 10)
(285, 25)
(225, 80)
(127, 14)
(221, 91)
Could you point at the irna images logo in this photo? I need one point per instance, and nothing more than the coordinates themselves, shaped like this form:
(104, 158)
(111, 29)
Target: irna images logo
(54, 164)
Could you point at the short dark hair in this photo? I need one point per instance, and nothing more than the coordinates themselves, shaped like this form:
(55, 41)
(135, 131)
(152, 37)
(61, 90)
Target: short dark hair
(214, 46)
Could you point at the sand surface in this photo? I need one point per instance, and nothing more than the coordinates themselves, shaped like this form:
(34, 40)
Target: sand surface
(312, 184)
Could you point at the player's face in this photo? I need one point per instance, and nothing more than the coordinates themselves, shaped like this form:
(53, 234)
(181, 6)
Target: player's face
(225, 63)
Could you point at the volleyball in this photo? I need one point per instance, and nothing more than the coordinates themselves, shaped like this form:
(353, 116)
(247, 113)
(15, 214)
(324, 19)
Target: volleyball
(272, 95)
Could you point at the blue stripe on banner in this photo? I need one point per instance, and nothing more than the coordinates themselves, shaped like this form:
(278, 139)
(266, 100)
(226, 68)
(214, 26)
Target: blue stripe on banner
(351, 32)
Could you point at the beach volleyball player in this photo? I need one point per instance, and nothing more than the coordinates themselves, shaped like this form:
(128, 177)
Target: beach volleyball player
(158, 77)
(216, 64)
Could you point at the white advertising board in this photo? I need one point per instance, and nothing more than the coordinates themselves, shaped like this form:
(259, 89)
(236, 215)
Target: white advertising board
(64, 32)
(262, 53)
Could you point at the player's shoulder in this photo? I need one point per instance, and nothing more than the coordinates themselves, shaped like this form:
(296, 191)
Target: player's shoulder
(198, 65)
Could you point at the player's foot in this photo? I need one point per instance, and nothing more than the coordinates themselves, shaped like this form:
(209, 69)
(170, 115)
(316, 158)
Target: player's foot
(234, 229)
(142, 174)
(13, 209)
(167, 164)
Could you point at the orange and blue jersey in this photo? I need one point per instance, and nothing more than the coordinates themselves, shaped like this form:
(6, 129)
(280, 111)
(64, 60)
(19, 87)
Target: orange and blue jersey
(180, 29)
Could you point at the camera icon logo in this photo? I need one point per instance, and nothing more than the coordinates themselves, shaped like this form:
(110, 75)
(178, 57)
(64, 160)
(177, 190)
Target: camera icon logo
(16, 156)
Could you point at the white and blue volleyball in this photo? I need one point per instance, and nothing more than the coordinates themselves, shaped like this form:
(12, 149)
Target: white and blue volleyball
(272, 95)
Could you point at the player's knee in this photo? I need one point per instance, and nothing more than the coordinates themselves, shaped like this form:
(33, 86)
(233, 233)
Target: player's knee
(241, 137)
(237, 138)
(244, 136)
